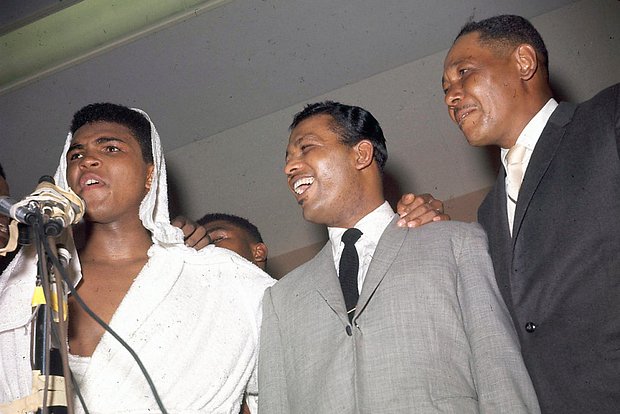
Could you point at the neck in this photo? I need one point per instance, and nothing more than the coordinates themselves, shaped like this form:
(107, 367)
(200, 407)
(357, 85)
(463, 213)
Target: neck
(115, 241)
(533, 103)
(366, 199)
(365, 207)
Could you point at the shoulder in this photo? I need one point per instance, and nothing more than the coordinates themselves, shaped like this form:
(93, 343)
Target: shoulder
(219, 268)
(447, 230)
(445, 238)
(299, 278)
(21, 270)
(612, 93)
(604, 104)
(16, 286)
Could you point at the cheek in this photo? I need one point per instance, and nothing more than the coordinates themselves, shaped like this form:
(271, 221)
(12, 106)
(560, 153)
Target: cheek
(331, 170)
(133, 177)
(72, 175)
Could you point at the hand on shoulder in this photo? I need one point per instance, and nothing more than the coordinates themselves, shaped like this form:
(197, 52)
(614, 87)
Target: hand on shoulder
(417, 210)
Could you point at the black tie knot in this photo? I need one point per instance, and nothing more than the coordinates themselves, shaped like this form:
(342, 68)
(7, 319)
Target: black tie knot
(351, 236)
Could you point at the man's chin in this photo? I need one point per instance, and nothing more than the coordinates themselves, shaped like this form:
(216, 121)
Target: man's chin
(309, 216)
(474, 140)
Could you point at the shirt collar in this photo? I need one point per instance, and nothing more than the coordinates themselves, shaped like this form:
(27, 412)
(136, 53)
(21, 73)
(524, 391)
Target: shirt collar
(532, 131)
(371, 225)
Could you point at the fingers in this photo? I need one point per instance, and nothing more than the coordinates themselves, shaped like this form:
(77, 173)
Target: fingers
(405, 202)
(435, 204)
(195, 235)
(179, 221)
(422, 209)
(198, 238)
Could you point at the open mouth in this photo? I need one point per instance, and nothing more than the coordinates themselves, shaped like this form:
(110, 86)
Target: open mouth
(300, 186)
(461, 114)
(90, 182)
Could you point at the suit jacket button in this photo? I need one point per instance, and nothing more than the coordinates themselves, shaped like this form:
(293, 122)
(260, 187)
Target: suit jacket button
(530, 327)
(348, 329)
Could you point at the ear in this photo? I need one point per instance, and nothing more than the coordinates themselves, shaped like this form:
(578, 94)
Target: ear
(527, 61)
(259, 252)
(364, 152)
(150, 171)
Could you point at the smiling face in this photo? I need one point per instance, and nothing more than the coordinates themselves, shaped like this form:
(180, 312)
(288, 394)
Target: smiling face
(106, 169)
(323, 174)
(483, 92)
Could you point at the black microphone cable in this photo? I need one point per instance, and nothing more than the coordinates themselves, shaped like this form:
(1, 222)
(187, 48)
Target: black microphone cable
(104, 325)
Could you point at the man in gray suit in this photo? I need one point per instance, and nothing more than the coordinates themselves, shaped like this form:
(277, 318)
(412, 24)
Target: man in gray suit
(429, 331)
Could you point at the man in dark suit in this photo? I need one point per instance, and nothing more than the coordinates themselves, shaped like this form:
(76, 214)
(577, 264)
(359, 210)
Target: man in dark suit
(553, 216)
(412, 320)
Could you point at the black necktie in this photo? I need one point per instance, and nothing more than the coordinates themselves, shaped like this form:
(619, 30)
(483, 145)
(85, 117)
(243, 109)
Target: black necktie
(348, 269)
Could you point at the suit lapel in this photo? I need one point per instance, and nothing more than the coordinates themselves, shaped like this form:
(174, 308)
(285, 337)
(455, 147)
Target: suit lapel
(327, 282)
(493, 216)
(388, 248)
(498, 202)
(544, 152)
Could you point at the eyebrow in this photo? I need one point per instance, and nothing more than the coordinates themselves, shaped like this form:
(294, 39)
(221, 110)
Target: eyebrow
(218, 228)
(98, 141)
(459, 61)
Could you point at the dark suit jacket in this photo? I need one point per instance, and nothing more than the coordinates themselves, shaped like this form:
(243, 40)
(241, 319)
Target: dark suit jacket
(430, 334)
(560, 272)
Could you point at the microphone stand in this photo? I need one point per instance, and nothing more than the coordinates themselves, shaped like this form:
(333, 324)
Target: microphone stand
(49, 356)
(42, 216)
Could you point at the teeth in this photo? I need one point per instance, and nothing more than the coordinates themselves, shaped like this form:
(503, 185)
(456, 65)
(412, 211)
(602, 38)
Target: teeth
(300, 182)
(91, 182)
(460, 114)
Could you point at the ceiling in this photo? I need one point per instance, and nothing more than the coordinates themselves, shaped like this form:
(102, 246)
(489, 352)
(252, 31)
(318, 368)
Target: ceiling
(221, 68)
(248, 58)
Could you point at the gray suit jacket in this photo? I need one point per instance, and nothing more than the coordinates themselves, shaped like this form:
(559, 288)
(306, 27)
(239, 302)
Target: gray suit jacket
(430, 333)
(560, 272)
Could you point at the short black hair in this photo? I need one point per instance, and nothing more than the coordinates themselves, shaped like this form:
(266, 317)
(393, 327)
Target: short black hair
(2, 172)
(351, 123)
(509, 30)
(240, 222)
(118, 114)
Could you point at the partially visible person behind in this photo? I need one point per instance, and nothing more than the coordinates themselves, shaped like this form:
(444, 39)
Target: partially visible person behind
(4, 221)
(192, 317)
(237, 234)
(552, 217)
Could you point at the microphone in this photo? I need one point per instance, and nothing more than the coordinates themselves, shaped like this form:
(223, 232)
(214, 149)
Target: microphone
(59, 208)
(9, 208)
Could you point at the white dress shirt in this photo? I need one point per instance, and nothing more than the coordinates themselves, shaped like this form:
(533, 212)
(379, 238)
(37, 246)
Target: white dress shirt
(372, 226)
(528, 138)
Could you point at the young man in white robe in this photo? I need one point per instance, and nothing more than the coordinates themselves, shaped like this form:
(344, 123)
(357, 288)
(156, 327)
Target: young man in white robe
(191, 316)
